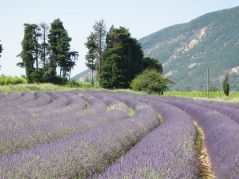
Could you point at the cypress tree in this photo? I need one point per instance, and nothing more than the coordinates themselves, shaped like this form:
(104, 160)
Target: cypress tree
(91, 55)
(225, 83)
(1, 49)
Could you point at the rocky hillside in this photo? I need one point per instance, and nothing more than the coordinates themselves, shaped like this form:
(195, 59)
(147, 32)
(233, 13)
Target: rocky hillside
(187, 50)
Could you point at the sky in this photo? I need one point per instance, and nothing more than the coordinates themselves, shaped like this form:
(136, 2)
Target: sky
(141, 17)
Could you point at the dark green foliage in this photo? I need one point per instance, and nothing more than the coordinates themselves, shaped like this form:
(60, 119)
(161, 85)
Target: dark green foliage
(121, 60)
(151, 63)
(29, 52)
(150, 81)
(225, 83)
(41, 57)
(90, 57)
(59, 49)
(1, 49)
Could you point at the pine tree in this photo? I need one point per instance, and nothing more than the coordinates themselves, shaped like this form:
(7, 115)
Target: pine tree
(91, 55)
(30, 51)
(99, 36)
(59, 50)
(44, 32)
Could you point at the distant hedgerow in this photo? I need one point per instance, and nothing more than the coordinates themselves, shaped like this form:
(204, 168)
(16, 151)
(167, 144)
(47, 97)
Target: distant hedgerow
(9, 80)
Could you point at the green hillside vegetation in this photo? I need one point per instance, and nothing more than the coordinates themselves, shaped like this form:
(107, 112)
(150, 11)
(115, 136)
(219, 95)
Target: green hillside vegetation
(187, 50)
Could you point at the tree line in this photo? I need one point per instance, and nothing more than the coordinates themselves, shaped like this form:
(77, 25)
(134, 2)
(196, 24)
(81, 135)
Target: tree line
(46, 54)
(116, 56)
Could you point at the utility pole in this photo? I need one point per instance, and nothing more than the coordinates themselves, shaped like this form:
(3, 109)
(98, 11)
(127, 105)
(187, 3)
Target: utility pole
(208, 83)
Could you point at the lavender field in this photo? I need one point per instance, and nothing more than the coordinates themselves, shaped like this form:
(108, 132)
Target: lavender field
(114, 135)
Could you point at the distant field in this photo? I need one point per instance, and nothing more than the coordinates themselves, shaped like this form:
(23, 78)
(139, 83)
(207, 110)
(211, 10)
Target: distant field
(219, 96)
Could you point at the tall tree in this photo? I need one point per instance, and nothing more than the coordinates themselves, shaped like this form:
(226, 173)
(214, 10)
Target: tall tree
(121, 60)
(59, 50)
(100, 37)
(1, 49)
(44, 32)
(29, 52)
(225, 83)
(91, 55)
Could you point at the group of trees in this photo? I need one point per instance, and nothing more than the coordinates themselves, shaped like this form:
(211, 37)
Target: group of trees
(116, 56)
(96, 43)
(46, 54)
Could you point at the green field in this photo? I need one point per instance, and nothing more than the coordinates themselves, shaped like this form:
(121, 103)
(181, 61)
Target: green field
(218, 96)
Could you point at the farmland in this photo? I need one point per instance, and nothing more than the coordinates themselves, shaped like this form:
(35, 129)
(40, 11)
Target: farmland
(106, 134)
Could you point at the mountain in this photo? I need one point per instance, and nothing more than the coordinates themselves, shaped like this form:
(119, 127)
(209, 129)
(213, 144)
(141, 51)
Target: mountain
(84, 76)
(187, 50)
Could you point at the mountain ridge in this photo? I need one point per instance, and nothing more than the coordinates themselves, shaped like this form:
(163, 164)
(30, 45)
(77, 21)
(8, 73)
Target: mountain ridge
(188, 49)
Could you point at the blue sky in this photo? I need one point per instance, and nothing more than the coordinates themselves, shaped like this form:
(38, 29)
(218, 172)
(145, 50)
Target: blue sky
(140, 16)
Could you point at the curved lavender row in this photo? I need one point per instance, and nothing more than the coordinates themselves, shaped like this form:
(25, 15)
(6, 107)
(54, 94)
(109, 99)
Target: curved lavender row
(19, 105)
(167, 152)
(96, 106)
(18, 139)
(10, 97)
(58, 101)
(128, 98)
(229, 109)
(24, 97)
(80, 154)
(232, 112)
(40, 99)
(221, 134)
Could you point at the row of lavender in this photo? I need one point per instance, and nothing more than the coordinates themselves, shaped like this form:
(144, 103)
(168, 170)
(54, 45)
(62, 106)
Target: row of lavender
(53, 139)
(148, 159)
(89, 134)
(220, 122)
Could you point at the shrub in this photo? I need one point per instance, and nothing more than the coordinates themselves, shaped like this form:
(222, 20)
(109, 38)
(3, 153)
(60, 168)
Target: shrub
(73, 84)
(10, 80)
(150, 81)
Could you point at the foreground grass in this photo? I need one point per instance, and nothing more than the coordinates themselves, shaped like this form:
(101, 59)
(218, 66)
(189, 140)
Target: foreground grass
(32, 88)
